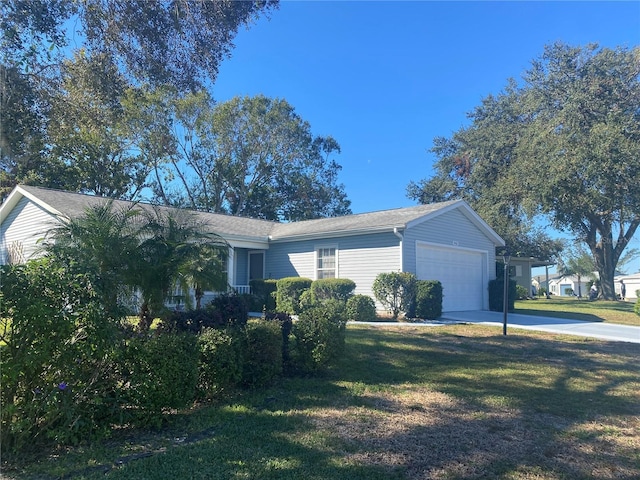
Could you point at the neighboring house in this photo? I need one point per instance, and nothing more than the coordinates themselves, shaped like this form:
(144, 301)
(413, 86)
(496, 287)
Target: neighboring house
(520, 269)
(446, 241)
(632, 285)
(564, 284)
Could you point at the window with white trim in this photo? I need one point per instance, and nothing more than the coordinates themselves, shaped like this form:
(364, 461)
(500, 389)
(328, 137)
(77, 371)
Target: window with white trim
(326, 262)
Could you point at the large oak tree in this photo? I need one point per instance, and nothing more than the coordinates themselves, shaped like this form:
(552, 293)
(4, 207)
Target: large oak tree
(565, 144)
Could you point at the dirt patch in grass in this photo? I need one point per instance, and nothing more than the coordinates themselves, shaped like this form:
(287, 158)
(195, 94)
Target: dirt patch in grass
(431, 435)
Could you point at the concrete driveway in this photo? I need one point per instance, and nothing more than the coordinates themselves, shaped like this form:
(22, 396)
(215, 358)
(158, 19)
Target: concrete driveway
(604, 331)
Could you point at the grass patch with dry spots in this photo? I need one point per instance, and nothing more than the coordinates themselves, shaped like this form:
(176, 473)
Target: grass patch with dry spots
(451, 402)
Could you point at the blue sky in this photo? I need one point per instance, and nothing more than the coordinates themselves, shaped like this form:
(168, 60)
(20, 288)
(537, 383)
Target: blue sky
(386, 78)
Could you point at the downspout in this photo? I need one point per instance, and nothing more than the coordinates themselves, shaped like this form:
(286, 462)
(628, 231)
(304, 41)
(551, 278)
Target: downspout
(397, 233)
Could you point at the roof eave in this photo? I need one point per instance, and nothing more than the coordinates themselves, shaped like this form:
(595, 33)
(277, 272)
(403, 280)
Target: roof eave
(334, 234)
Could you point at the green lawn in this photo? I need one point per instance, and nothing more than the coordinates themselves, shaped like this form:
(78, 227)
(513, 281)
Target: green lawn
(408, 402)
(581, 309)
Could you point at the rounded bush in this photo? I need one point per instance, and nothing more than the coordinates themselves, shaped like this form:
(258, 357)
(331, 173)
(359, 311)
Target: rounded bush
(318, 336)
(288, 291)
(360, 308)
(332, 289)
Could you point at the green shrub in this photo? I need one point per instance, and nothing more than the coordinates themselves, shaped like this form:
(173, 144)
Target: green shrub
(636, 307)
(306, 300)
(58, 349)
(232, 307)
(220, 362)
(264, 293)
(262, 353)
(360, 308)
(332, 289)
(521, 292)
(428, 299)
(396, 292)
(193, 321)
(496, 294)
(318, 337)
(288, 291)
(161, 373)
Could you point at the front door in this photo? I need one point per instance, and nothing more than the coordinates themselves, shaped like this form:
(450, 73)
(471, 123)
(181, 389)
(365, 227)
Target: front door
(256, 265)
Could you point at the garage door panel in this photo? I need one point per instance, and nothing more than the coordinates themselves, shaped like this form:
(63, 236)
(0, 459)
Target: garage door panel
(459, 271)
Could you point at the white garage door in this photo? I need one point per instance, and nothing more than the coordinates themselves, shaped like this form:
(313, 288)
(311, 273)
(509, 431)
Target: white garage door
(459, 271)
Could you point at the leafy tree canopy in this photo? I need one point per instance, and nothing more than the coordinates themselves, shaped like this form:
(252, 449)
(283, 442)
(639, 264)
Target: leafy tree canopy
(64, 110)
(565, 144)
(251, 156)
(181, 42)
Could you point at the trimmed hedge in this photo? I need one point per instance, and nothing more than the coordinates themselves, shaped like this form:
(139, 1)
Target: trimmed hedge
(496, 294)
(340, 289)
(219, 362)
(428, 299)
(161, 373)
(264, 293)
(262, 353)
(288, 292)
(318, 337)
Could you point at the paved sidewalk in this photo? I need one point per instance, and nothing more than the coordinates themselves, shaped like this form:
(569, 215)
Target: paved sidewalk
(604, 331)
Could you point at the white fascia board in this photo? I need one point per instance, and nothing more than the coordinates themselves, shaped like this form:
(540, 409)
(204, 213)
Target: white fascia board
(334, 234)
(252, 243)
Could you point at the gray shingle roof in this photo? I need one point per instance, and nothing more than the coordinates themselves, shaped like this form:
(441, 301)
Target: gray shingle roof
(372, 221)
(73, 205)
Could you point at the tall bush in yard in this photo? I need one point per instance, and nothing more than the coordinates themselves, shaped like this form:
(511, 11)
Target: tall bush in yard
(220, 361)
(318, 336)
(58, 348)
(396, 292)
(288, 292)
(428, 299)
(262, 353)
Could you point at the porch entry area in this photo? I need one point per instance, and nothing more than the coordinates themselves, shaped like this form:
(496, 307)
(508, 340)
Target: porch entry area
(249, 265)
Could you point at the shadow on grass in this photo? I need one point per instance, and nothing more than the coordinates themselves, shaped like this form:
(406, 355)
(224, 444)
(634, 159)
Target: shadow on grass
(585, 317)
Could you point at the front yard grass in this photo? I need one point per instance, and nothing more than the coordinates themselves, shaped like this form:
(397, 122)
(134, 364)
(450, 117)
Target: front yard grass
(404, 403)
(580, 309)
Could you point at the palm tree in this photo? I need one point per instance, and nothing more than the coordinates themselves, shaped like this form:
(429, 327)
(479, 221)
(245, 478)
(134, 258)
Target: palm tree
(143, 249)
(176, 250)
(99, 243)
(579, 263)
(204, 271)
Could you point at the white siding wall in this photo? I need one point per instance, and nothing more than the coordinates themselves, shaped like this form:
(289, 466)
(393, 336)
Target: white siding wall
(24, 226)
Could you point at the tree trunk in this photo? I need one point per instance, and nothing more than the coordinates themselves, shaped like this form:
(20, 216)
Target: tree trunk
(145, 318)
(603, 256)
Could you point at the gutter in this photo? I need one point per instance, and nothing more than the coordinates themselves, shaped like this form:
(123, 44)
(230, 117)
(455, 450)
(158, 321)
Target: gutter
(397, 233)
